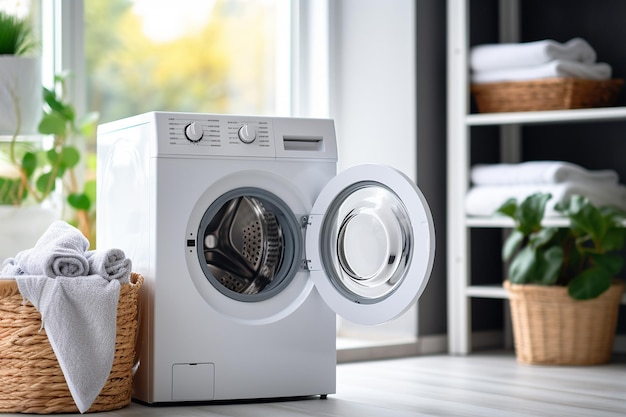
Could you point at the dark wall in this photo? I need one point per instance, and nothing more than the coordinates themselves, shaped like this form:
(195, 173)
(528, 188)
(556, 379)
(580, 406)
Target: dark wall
(431, 150)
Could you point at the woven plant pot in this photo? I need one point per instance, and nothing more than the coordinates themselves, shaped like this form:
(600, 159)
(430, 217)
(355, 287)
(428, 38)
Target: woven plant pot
(31, 380)
(545, 94)
(551, 328)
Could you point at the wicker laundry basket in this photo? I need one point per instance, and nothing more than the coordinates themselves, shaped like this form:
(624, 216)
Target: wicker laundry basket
(545, 94)
(551, 328)
(31, 380)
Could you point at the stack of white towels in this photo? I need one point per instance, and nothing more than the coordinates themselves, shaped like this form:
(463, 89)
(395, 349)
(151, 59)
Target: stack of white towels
(493, 184)
(536, 60)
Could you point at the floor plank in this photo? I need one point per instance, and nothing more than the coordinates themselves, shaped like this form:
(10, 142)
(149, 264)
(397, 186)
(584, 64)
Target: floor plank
(484, 384)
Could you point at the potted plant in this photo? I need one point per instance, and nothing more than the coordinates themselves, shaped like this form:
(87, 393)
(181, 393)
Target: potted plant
(561, 280)
(36, 173)
(20, 77)
(20, 112)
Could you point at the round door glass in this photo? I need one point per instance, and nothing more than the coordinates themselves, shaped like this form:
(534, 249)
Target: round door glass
(247, 245)
(367, 242)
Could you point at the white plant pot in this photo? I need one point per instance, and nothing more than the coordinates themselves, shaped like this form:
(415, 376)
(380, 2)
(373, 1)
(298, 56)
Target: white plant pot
(21, 227)
(20, 91)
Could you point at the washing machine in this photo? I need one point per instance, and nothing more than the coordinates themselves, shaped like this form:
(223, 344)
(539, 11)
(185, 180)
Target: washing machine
(250, 244)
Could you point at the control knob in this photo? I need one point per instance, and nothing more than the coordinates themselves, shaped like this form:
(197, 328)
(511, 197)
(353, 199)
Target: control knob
(247, 134)
(194, 132)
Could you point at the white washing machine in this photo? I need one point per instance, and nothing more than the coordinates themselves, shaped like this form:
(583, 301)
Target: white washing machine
(249, 243)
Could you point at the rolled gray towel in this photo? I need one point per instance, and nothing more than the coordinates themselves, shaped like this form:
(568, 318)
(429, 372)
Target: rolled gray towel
(10, 269)
(60, 251)
(110, 264)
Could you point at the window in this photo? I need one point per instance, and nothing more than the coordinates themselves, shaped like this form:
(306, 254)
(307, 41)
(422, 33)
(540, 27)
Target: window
(216, 56)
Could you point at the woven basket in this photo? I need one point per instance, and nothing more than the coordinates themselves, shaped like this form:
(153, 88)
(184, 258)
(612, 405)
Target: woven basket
(31, 380)
(551, 328)
(545, 94)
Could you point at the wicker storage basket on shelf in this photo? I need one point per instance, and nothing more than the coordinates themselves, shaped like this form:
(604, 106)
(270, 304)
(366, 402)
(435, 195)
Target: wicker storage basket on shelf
(31, 380)
(545, 94)
(551, 328)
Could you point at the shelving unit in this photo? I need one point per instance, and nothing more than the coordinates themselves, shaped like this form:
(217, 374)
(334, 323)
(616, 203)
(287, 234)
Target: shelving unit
(460, 287)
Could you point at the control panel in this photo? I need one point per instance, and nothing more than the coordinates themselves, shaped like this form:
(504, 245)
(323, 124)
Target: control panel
(204, 134)
(198, 134)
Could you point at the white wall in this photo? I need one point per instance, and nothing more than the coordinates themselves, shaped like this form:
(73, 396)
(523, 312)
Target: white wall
(372, 82)
(372, 99)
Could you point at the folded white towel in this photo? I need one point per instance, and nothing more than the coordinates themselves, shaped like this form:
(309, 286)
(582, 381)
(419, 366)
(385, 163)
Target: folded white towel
(558, 68)
(539, 172)
(79, 316)
(60, 251)
(484, 200)
(514, 55)
(110, 264)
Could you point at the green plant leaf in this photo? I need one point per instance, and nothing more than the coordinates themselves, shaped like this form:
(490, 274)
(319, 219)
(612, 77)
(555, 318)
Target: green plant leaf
(512, 244)
(10, 191)
(52, 124)
(585, 218)
(79, 201)
(90, 190)
(590, 283)
(530, 212)
(52, 155)
(508, 208)
(613, 239)
(540, 266)
(69, 156)
(522, 266)
(611, 262)
(45, 183)
(16, 36)
(549, 265)
(29, 163)
(542, 237)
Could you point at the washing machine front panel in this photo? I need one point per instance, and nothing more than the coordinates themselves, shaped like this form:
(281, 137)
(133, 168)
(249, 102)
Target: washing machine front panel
(370, 244)
(223, 240)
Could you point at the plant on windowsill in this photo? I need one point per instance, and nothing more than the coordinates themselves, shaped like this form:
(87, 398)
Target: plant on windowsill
(561, 280)
(20, 113)
(38, 172)
(20, 77)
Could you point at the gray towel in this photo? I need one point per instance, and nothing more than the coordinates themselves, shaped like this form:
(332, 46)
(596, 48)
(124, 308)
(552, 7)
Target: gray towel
(109, 264)
(60, 251)
(78, 308)
(10, 268)
(79, 316)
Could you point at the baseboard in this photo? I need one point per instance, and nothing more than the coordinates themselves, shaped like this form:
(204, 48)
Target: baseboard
(494, 339)
(424, 345)
(435, 344)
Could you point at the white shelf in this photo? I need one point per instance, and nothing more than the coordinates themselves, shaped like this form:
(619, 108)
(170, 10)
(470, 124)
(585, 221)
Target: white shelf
(505, 222)
(551, 116)
(459, 131)
(486, 291)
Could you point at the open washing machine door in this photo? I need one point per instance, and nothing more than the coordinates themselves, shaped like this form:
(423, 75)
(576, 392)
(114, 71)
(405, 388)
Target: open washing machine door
(370, 244)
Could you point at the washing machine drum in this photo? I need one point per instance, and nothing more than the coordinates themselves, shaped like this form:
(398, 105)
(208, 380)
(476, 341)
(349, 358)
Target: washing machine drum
(243, 245)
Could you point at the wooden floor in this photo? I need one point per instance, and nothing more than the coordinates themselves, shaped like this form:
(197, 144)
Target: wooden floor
(487, 384)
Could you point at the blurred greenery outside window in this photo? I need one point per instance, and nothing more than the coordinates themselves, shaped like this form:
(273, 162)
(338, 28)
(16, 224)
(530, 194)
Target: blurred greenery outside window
(209, 56)
(215, 56)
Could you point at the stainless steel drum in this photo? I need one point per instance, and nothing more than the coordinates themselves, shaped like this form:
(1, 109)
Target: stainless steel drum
(243, 245)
